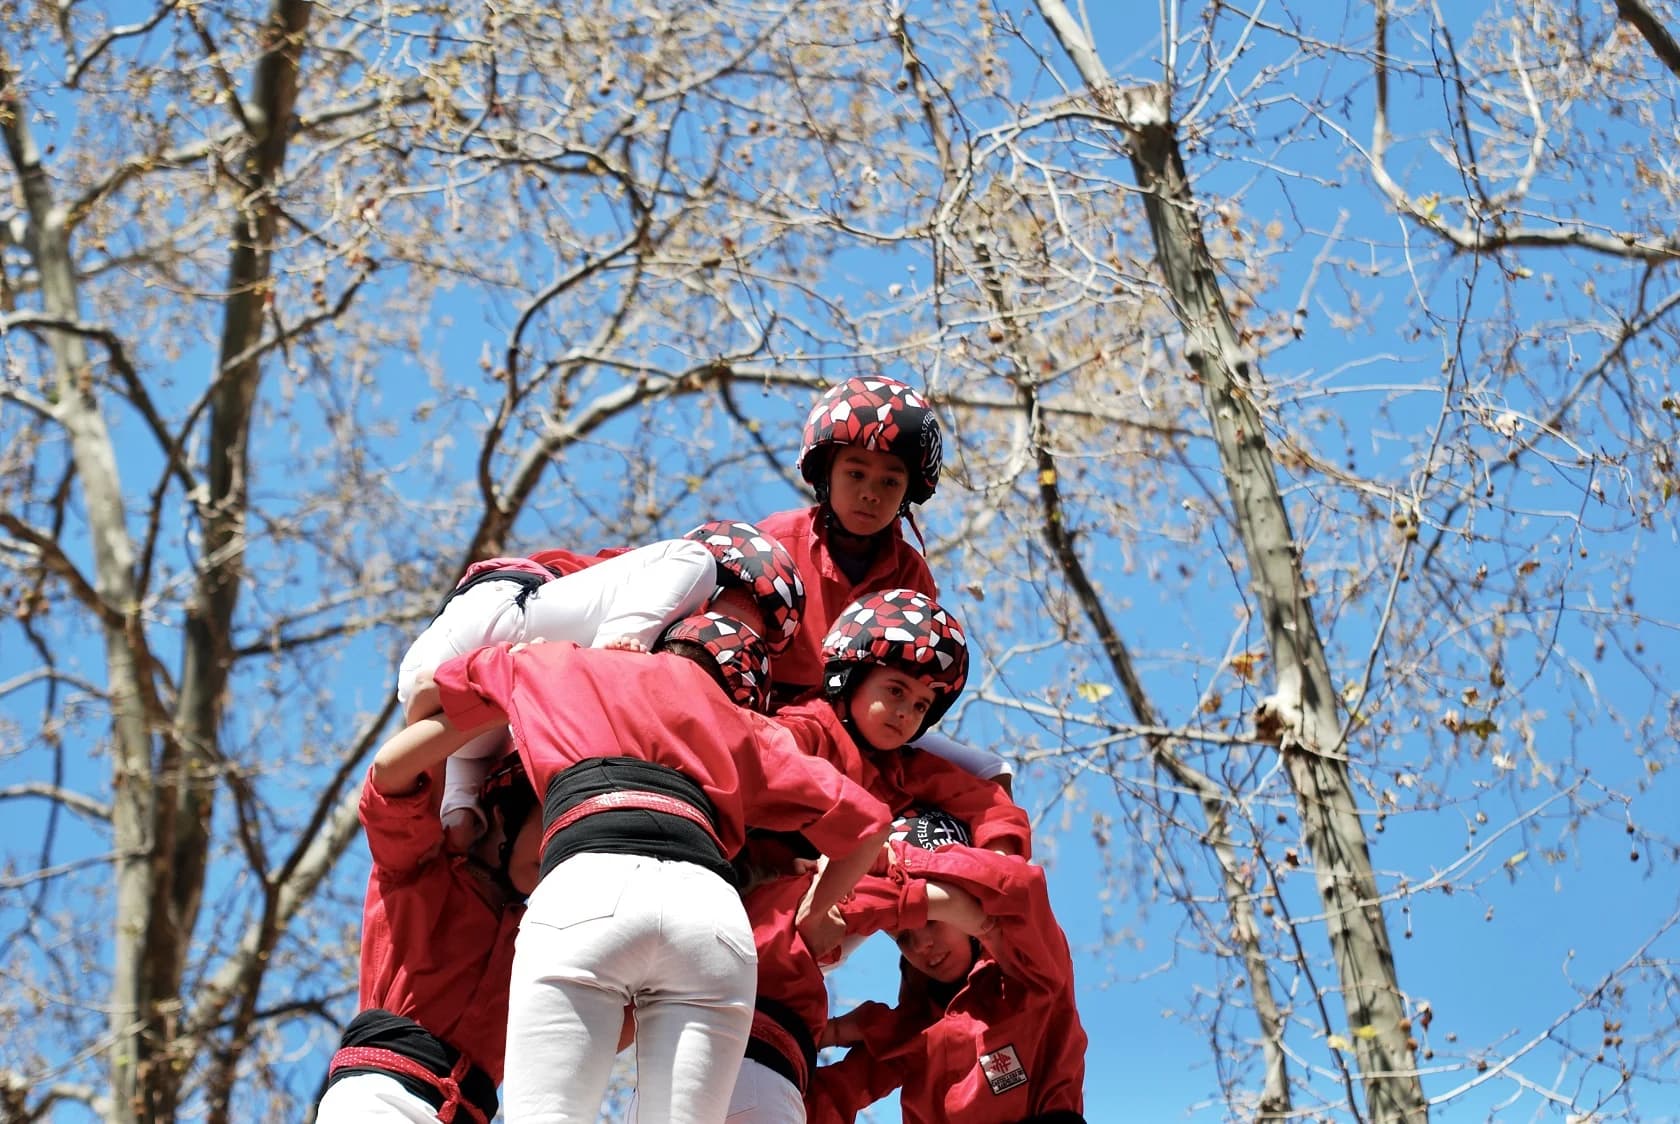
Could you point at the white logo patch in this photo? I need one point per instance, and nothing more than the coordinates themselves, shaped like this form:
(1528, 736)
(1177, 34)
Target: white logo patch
(1003, 1069)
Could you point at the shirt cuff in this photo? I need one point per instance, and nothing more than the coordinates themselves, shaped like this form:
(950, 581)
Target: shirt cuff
(461, 702)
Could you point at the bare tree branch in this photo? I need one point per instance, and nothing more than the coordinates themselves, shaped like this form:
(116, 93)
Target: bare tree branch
(1493, 233)
(116, 34)
(1645, 21)
(46, 874)
(76, 801)
(15, 1089)
(55, 561)
(1302, 710)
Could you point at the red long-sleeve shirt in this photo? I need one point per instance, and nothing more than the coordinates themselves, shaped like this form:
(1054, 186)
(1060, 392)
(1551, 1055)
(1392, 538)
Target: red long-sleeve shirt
(787, 972)
(567, 704)
(908, 778)
(1009, 1044)
(437, 945)
(828, 590)
(563, 561)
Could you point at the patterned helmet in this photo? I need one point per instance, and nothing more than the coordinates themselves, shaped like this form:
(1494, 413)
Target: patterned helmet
(881, 415)
(930, 829)
(738, 651)
(902, 629)
(750, 559)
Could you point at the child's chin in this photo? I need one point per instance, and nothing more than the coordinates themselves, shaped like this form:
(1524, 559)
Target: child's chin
(866, 530)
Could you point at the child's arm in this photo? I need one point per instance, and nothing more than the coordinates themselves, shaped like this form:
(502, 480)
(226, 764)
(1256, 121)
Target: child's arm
(837, 878)
(1021, 931)
(793, 792)
(786, 790)
(417, 749)
(956, 906)
(982, 763)
(853, 1028)
(423, 700)
(894, 900)
(996, 822)
(842, 1090)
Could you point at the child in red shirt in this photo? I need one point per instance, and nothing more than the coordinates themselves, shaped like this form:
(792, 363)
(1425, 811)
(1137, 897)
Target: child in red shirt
(437, 946)
(790, 1014)
(650, 775)
(986, 1031)
(897, 661)
(623, 599)
(894, 663)
(871, 447)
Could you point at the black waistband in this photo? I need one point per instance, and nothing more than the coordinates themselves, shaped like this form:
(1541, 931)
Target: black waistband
(770, 1056)
(404, 1036)
(774, 1060)
(524, 579)
(1054, 1116)
(631, 831)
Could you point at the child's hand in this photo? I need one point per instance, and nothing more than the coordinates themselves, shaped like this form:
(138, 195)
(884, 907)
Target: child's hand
(424, 700)
(822, 932)
(462, 827)
(959, 907)
(623, 644)
(889, 862)
(847, 1029)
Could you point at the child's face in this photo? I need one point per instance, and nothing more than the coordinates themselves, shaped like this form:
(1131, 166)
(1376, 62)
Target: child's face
(939, 950)
(866, 489)
(525, 862)
(525, 858)
(888, 707)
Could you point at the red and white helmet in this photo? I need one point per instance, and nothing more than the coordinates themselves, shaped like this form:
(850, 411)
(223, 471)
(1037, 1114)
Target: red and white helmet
(902, 629)
(752, 560)
(739, 652)
(879, 414)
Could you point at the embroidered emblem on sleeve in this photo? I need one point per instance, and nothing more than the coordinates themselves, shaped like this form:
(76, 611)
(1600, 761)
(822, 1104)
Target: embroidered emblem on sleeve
(1003, 1069)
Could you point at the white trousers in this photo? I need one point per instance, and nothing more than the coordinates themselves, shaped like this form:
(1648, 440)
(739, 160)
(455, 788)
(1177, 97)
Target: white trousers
(761, 1096)
(373, 1096)
(635, 595)
(603, 931)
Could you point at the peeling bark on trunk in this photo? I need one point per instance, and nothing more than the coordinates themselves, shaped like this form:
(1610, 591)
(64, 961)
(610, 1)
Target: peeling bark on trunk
(162, 799)
(1302, 711)
(1274, 1103)
(140, 863)
(207, 658)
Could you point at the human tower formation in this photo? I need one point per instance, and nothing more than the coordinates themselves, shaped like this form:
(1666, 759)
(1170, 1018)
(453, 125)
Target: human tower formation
(647, 798)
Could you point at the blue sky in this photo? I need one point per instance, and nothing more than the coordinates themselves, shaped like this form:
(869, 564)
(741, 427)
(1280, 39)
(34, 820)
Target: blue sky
(1552, 902)
(1546, 896)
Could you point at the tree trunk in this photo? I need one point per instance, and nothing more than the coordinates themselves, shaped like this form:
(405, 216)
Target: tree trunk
(162, 800)
(207, 658)
(137, 861)
(1302, 709)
